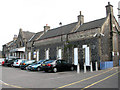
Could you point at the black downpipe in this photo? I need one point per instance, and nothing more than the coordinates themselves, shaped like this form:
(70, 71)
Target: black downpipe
(111, 37)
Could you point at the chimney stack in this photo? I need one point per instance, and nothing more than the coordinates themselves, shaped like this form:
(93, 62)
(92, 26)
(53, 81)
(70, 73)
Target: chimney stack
(109, 9)
(81, 18)
(15, 37)
(46, 28)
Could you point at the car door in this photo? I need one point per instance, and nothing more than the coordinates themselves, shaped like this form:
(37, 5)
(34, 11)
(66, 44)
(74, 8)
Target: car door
(59, 65)
(64, 64)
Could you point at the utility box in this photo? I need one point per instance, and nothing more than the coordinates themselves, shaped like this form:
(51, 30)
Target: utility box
(119, 62)
(106, 64)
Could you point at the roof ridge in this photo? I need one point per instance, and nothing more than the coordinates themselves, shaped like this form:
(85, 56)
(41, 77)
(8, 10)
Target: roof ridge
(94, 20)
(29, 32)
(62, 26)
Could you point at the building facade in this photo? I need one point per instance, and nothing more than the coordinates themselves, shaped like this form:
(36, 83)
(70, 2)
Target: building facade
(18, 46)
(77, 42)
(119, 13)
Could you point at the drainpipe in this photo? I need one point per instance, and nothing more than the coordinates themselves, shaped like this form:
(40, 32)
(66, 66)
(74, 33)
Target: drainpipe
(111, 38)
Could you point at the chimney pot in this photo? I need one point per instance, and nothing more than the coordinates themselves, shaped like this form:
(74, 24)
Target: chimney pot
(109, 9)
(46, 28)
(80, 13)
(15, 37)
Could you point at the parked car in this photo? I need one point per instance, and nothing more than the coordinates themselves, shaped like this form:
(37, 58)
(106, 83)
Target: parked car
(57, 65)
(36, 66)
(24, 64)
(17, 62)
(10, 60)
(2, 61)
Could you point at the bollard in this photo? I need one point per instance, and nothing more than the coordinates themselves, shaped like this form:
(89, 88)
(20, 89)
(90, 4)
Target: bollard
(96, 66)
(78, 68)
(84, 68)
(91, 67)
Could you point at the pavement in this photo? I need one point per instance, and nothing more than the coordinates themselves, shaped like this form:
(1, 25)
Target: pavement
(15, 78)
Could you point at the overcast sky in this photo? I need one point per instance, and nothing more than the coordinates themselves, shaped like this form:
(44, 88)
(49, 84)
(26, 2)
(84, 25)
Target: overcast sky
(32, 15)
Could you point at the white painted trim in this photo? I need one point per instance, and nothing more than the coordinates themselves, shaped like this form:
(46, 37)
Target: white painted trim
(75, 56)
(37, 55)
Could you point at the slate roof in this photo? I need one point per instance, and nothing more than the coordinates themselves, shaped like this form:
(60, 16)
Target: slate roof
(9, 43)
(35, 36)
(58, 31)
(27, 35)
(92, 24)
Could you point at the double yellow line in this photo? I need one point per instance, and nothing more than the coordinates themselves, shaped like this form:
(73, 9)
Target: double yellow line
(83, 79)
(100, 80)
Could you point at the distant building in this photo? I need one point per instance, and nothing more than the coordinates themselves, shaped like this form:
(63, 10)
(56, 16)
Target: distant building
(0, 54)
(119, 13)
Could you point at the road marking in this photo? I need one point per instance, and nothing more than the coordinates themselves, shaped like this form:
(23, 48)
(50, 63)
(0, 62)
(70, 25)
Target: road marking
(9, 84)
(100, 80)
(13, 85)
(83, 79)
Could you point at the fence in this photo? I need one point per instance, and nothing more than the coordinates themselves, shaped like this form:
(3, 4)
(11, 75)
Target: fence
(106, 64)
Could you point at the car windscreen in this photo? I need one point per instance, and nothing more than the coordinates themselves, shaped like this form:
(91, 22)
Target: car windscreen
(49, 61)
(30, 61)
(23, 61)
(16, 61)
(40, 61)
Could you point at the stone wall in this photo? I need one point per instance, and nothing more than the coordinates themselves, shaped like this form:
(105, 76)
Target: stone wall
(48, 41)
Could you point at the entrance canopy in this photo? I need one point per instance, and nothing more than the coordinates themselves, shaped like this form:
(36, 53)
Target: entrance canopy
(22, 49)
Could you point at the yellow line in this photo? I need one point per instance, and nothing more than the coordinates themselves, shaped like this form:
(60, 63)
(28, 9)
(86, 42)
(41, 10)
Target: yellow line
(15, 86)
(10, 85)
(100, 81)
(83, 79)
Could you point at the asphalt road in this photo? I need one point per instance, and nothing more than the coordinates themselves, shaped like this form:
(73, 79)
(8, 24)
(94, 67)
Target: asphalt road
(16, 78)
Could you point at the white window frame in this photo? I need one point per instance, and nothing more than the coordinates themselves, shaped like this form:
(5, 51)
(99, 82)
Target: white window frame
(59, 53)
(37, 55)
(47, 53)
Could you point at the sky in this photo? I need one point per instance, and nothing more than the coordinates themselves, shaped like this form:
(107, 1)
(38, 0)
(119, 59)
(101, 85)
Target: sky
(33, 15)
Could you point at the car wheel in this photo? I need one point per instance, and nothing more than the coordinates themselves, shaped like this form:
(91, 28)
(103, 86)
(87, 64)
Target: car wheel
(26, 68)
(46, 70)
(72, 68)
(11, 65)
(21, 68)
(38, 69)
(54, 70)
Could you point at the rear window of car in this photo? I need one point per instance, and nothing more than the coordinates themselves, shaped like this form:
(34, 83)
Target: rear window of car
(49, 61)
(63, 61)
(40, 61)
(16, 60)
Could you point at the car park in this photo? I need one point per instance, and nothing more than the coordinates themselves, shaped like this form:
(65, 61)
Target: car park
(17, 62)
(24, 64)
(2, 61)
(36, 66)
(57, 65)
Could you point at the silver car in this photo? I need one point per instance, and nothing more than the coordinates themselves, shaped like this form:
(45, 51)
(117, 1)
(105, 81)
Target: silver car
(17, 62)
